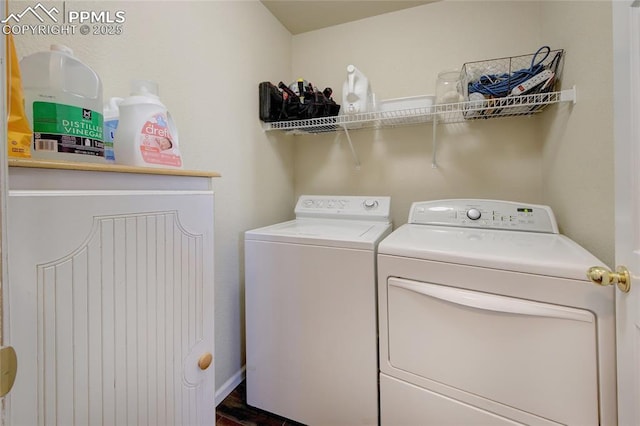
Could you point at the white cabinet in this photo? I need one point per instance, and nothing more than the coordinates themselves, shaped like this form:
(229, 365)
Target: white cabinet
(110, 299)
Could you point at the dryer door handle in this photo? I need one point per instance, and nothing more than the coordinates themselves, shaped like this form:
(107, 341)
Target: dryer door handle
(492, 302)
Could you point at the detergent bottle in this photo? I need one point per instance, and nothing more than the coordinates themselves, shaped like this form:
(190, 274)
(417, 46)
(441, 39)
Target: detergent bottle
(63, 104)
(146, 135)
(357, 96)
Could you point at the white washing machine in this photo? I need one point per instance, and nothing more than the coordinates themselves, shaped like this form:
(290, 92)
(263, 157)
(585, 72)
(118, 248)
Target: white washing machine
(486, 317)
(310, 291)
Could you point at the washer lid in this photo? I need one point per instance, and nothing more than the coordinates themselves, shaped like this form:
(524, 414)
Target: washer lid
(519, 251)
(324, 232)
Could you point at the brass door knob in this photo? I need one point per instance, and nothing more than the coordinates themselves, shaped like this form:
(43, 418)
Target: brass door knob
(8, 369)
(205, 361)
(603, 276)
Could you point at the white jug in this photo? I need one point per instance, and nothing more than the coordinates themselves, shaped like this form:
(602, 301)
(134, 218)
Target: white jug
(63, 103)
(146, 135)
(357, 96)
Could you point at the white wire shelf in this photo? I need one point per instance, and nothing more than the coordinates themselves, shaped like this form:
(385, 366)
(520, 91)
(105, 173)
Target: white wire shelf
(446, 113)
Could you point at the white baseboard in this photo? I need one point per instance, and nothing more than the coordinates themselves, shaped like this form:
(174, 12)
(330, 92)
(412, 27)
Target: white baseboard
(229, 385)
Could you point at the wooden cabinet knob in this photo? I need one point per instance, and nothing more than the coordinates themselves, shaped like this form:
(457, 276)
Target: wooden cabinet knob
(8, 369)
(205, 361)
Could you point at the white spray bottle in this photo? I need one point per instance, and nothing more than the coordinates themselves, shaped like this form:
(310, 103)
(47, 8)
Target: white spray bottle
(357, 96)
(111, 118)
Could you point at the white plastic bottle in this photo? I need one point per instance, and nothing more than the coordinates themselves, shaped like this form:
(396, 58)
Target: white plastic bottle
(357, 96)
(63, 103)
(146, 136)
(111, 118)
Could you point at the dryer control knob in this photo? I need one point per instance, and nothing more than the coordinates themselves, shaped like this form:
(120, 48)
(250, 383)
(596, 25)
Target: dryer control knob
(370, 204)
(473, 214)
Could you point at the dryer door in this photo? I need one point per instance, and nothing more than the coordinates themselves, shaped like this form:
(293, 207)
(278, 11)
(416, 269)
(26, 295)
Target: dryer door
(536, 357)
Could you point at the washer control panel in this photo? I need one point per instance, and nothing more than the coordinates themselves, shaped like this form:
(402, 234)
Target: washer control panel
(490, 214)
(344, 207)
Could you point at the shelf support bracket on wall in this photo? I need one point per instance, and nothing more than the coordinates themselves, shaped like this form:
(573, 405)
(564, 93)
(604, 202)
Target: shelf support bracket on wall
(353, 151)
(569, 95)
(434, 143)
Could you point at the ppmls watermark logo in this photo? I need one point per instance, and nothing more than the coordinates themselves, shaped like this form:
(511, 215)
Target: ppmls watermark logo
(41, 20)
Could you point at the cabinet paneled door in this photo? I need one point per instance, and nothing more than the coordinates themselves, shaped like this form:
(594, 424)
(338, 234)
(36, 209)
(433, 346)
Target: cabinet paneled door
(111, 303)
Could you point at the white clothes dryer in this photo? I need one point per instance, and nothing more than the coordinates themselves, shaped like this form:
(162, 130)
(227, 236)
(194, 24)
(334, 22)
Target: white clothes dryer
(310, 291)
(486, 317)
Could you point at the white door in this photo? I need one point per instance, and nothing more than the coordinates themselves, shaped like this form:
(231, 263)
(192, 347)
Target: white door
(4, 377)
(626, 28)
(109, 307)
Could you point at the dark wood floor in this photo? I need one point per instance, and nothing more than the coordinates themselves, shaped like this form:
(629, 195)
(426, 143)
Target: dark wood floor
(233, 411)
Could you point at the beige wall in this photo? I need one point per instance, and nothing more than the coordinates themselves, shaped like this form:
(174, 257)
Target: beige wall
(402, 53)
(578, 174)
(538, 160)
(208, 58)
